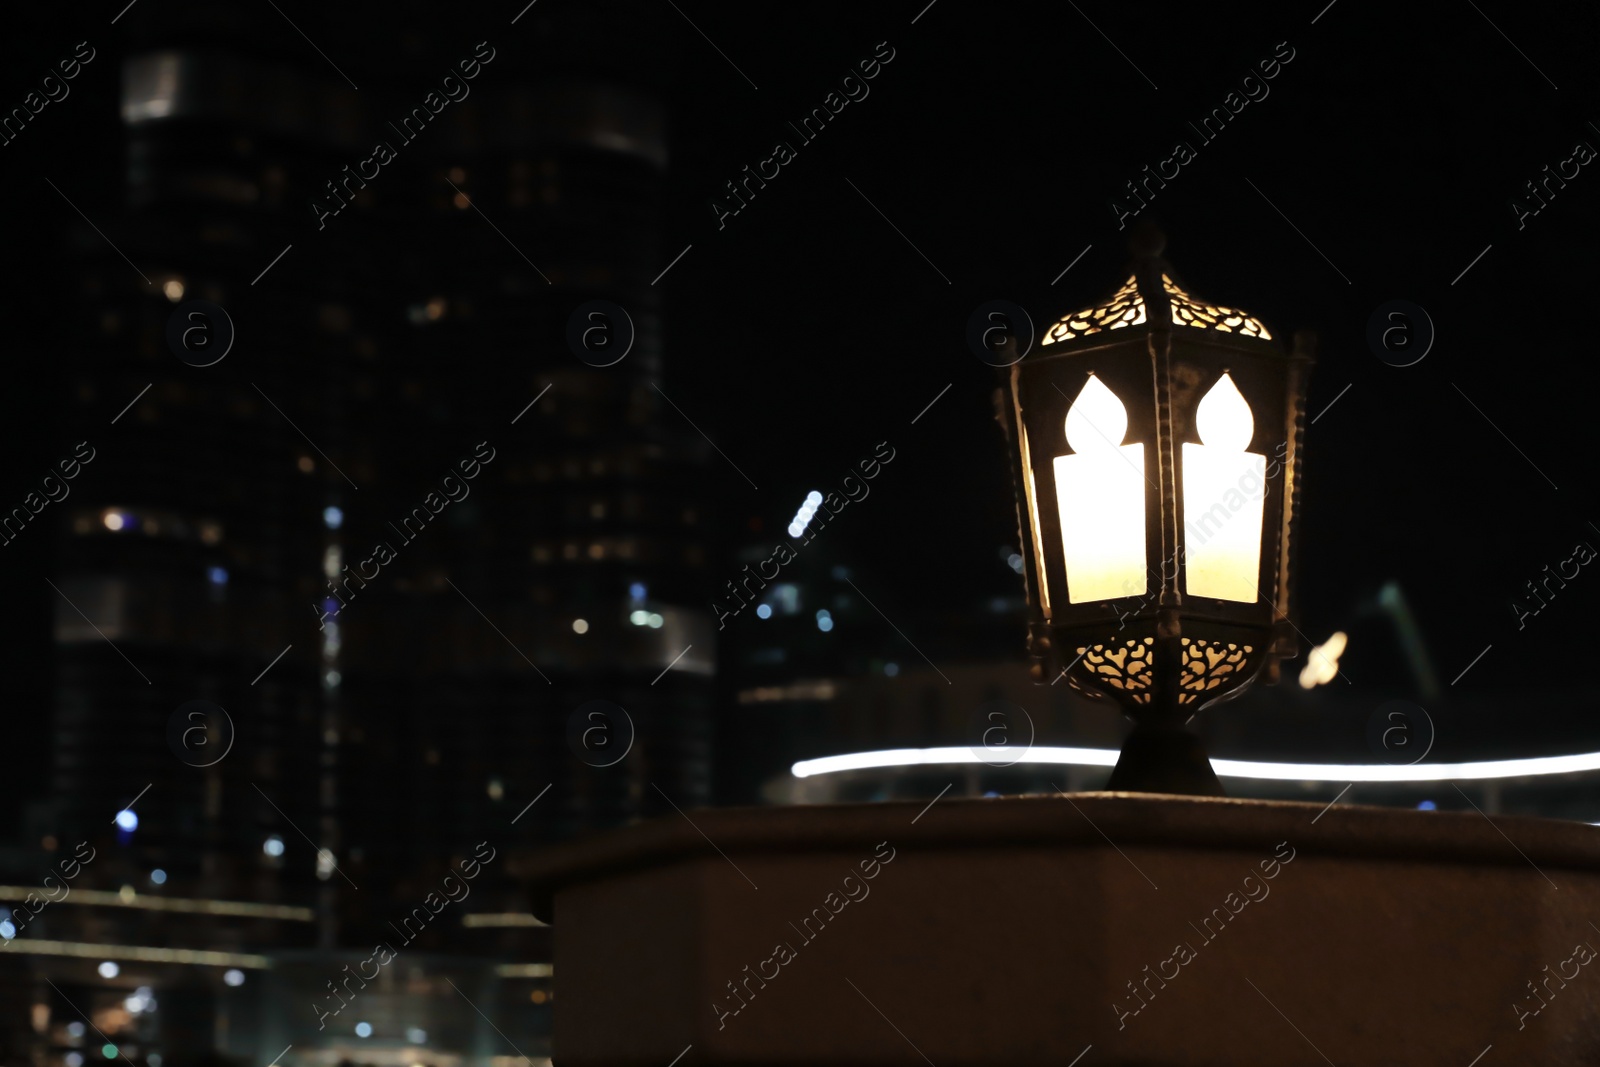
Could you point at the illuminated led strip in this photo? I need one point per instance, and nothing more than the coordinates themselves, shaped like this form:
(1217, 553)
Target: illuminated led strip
(102, 898)
(1226, 768)
(499, 919)
(205, 957)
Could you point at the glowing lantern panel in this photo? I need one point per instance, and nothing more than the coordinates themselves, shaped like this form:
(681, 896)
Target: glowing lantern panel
(1100, 494)
(1224, 487)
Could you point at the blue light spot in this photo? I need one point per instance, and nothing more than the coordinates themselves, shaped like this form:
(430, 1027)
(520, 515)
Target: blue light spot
(158, 876)
(363, 1029)
(217, 575)
(127, 820)
(763, 611)
(332, 517)
(637, 590)
(8, 929)
(1427, 805)
(891, 669)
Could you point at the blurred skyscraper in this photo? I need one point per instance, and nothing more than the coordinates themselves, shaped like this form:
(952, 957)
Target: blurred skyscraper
(390, 709)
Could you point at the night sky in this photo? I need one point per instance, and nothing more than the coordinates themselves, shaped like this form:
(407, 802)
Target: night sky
(821, 319)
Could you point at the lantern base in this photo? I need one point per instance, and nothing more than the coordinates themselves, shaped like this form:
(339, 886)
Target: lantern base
(1164, 760)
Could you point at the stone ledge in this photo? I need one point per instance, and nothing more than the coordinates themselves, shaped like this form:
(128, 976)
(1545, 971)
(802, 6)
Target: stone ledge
(1014, 930)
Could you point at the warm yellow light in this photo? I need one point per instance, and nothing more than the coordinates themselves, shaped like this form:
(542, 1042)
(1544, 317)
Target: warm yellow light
(1322, 664)
(1100, 497)
(1224, 488)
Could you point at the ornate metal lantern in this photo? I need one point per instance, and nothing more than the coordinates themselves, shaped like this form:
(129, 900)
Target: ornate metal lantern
(1157, 459)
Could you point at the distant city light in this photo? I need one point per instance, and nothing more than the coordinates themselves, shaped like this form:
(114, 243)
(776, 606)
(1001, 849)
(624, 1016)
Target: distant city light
(233, 976)
(173, 289)
(802, 518)
(637, 590)
(75, 1029)
(158, 876)
(114, 520)
(824, 620)
(363, 1029)
(891, 669)
(580, 626)
(1322, 662)
(217, 575)
(416, 1035)
(108, 1050)
(1014, 561)
(655, 621)
(273, 846)
(134, 1004)
(73, 1059)
(332, 517)
(127, 820)
(1427, 805)
(763, 611)
(154, 1059)
(640, 618)
(8, 929)
(497, 789)
(325, 864)
(109, 969)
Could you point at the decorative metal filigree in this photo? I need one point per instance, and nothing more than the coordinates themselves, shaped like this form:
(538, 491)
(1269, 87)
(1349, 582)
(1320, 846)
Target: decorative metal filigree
(1187, 311)
(1125, 308)
(1207, 665)
(1126, 667)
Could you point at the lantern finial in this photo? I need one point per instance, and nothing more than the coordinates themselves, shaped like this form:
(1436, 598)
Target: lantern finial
(1146, 241)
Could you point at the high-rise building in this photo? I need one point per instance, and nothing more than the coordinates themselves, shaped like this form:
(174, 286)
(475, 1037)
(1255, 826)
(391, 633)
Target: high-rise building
(401, 533)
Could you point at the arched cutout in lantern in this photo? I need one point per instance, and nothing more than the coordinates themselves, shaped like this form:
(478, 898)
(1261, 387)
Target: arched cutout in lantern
(1157, 542)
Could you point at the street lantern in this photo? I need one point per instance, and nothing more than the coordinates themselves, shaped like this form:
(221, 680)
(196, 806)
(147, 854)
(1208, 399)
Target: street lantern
(1157, 456)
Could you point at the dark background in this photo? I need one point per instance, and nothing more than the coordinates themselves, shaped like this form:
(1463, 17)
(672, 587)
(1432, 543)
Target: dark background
(807, 329)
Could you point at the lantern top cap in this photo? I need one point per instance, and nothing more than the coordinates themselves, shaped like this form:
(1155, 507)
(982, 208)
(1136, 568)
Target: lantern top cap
(1149, 298)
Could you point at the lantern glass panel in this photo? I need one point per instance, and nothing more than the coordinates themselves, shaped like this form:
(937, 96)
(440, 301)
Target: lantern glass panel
(1224, 489)
(1100, 495)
